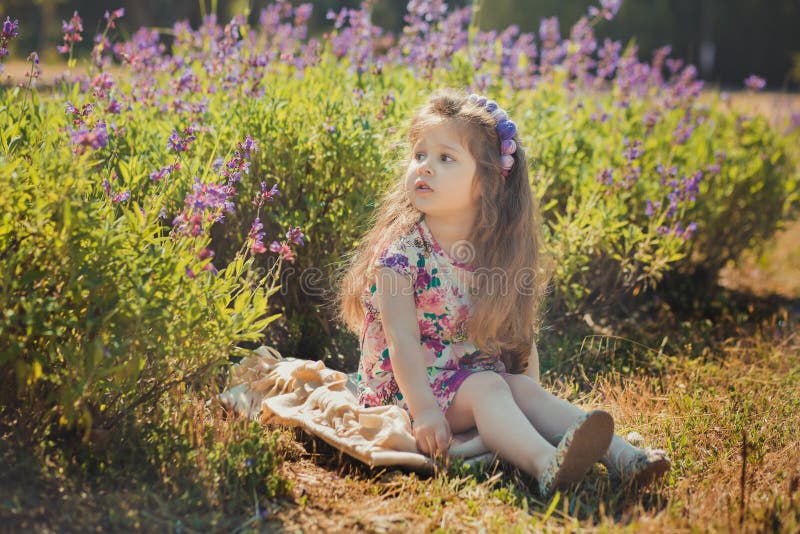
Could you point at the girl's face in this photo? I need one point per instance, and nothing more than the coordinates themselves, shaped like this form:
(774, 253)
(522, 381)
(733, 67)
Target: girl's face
(440, 179)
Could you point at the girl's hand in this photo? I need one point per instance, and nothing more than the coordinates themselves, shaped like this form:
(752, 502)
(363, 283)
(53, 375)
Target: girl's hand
(432, 432)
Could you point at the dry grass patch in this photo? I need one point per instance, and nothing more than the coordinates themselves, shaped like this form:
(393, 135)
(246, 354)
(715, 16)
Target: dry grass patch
(698, 409)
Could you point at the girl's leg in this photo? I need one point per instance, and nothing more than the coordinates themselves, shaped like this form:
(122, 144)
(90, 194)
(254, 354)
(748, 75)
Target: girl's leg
(551, 416)
(484, 400)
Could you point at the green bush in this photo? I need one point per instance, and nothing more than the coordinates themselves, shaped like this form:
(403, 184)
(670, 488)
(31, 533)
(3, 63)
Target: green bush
(101, 308)
(105, 305)
(606, 242)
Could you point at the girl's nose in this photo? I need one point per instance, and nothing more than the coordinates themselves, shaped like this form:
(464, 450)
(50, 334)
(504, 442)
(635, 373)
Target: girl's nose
(424, 169)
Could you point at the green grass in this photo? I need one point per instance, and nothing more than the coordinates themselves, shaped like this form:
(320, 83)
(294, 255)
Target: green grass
(728, 374)
(185, 468)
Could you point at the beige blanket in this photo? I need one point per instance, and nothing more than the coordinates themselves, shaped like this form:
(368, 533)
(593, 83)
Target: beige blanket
(305, 393)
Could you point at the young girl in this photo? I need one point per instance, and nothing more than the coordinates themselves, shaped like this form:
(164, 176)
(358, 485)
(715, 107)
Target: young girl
(445, 289)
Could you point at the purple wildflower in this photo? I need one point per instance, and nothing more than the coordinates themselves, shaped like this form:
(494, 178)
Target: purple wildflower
(650, 207)
(691, 185)
(35, 71)
(249, 145)
(266, 195)
(606, 176)
(657, 65)
(794, 122)
(187, 82)
(116, 198)
(632, 174)
(240, 162)
(684, 130)
(79, 115)
(188, 224)
(95, 138)
(114, 15)
(295, 235)
(210, 197)
(649, 120)
(10, 31)
(121, 197)
(206, 203)
(608, 9)
(678, 230)
(164, 171)
(72, 33)
(690, 230)
(755, 83)
(553, 49)
(256, 237)
(609, 57)
(101, 84)
(355, 35)
(114, 107)
(283, 249)
(234, 169)
(632, 150)
(548, 30)
(180, 143)
(101, 45)
(682, 191)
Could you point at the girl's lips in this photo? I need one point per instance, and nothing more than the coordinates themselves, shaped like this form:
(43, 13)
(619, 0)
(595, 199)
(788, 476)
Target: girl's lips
(422, 187)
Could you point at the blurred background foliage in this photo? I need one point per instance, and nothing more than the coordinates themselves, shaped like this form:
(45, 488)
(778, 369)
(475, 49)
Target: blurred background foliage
(727, 39)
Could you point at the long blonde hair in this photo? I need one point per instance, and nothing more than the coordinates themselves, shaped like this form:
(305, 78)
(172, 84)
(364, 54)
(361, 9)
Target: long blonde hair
(506, 237)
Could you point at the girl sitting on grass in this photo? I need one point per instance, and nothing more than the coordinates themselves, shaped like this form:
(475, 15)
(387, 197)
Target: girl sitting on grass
(445, 289)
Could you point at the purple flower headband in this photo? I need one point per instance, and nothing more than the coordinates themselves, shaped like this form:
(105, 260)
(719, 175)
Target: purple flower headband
(506, 129)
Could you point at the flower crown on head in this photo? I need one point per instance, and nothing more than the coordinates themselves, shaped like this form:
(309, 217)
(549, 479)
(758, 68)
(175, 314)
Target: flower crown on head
(506, 130)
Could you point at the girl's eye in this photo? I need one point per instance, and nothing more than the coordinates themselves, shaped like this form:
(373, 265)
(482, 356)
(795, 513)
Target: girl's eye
(419, 155)
(446, 158)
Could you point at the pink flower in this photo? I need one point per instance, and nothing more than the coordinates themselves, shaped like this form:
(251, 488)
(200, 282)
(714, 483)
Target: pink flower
(283, 249)
(433, 301)
(427, 328)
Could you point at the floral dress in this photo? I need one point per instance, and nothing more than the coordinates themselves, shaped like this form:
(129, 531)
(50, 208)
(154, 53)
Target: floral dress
(441, 294)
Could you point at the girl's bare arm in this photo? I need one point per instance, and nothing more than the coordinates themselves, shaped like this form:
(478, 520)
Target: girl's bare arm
(533, 364)
(395, 300)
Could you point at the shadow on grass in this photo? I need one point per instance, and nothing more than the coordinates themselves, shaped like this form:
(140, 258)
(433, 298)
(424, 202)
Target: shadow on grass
(151, 478)
(633, 338)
